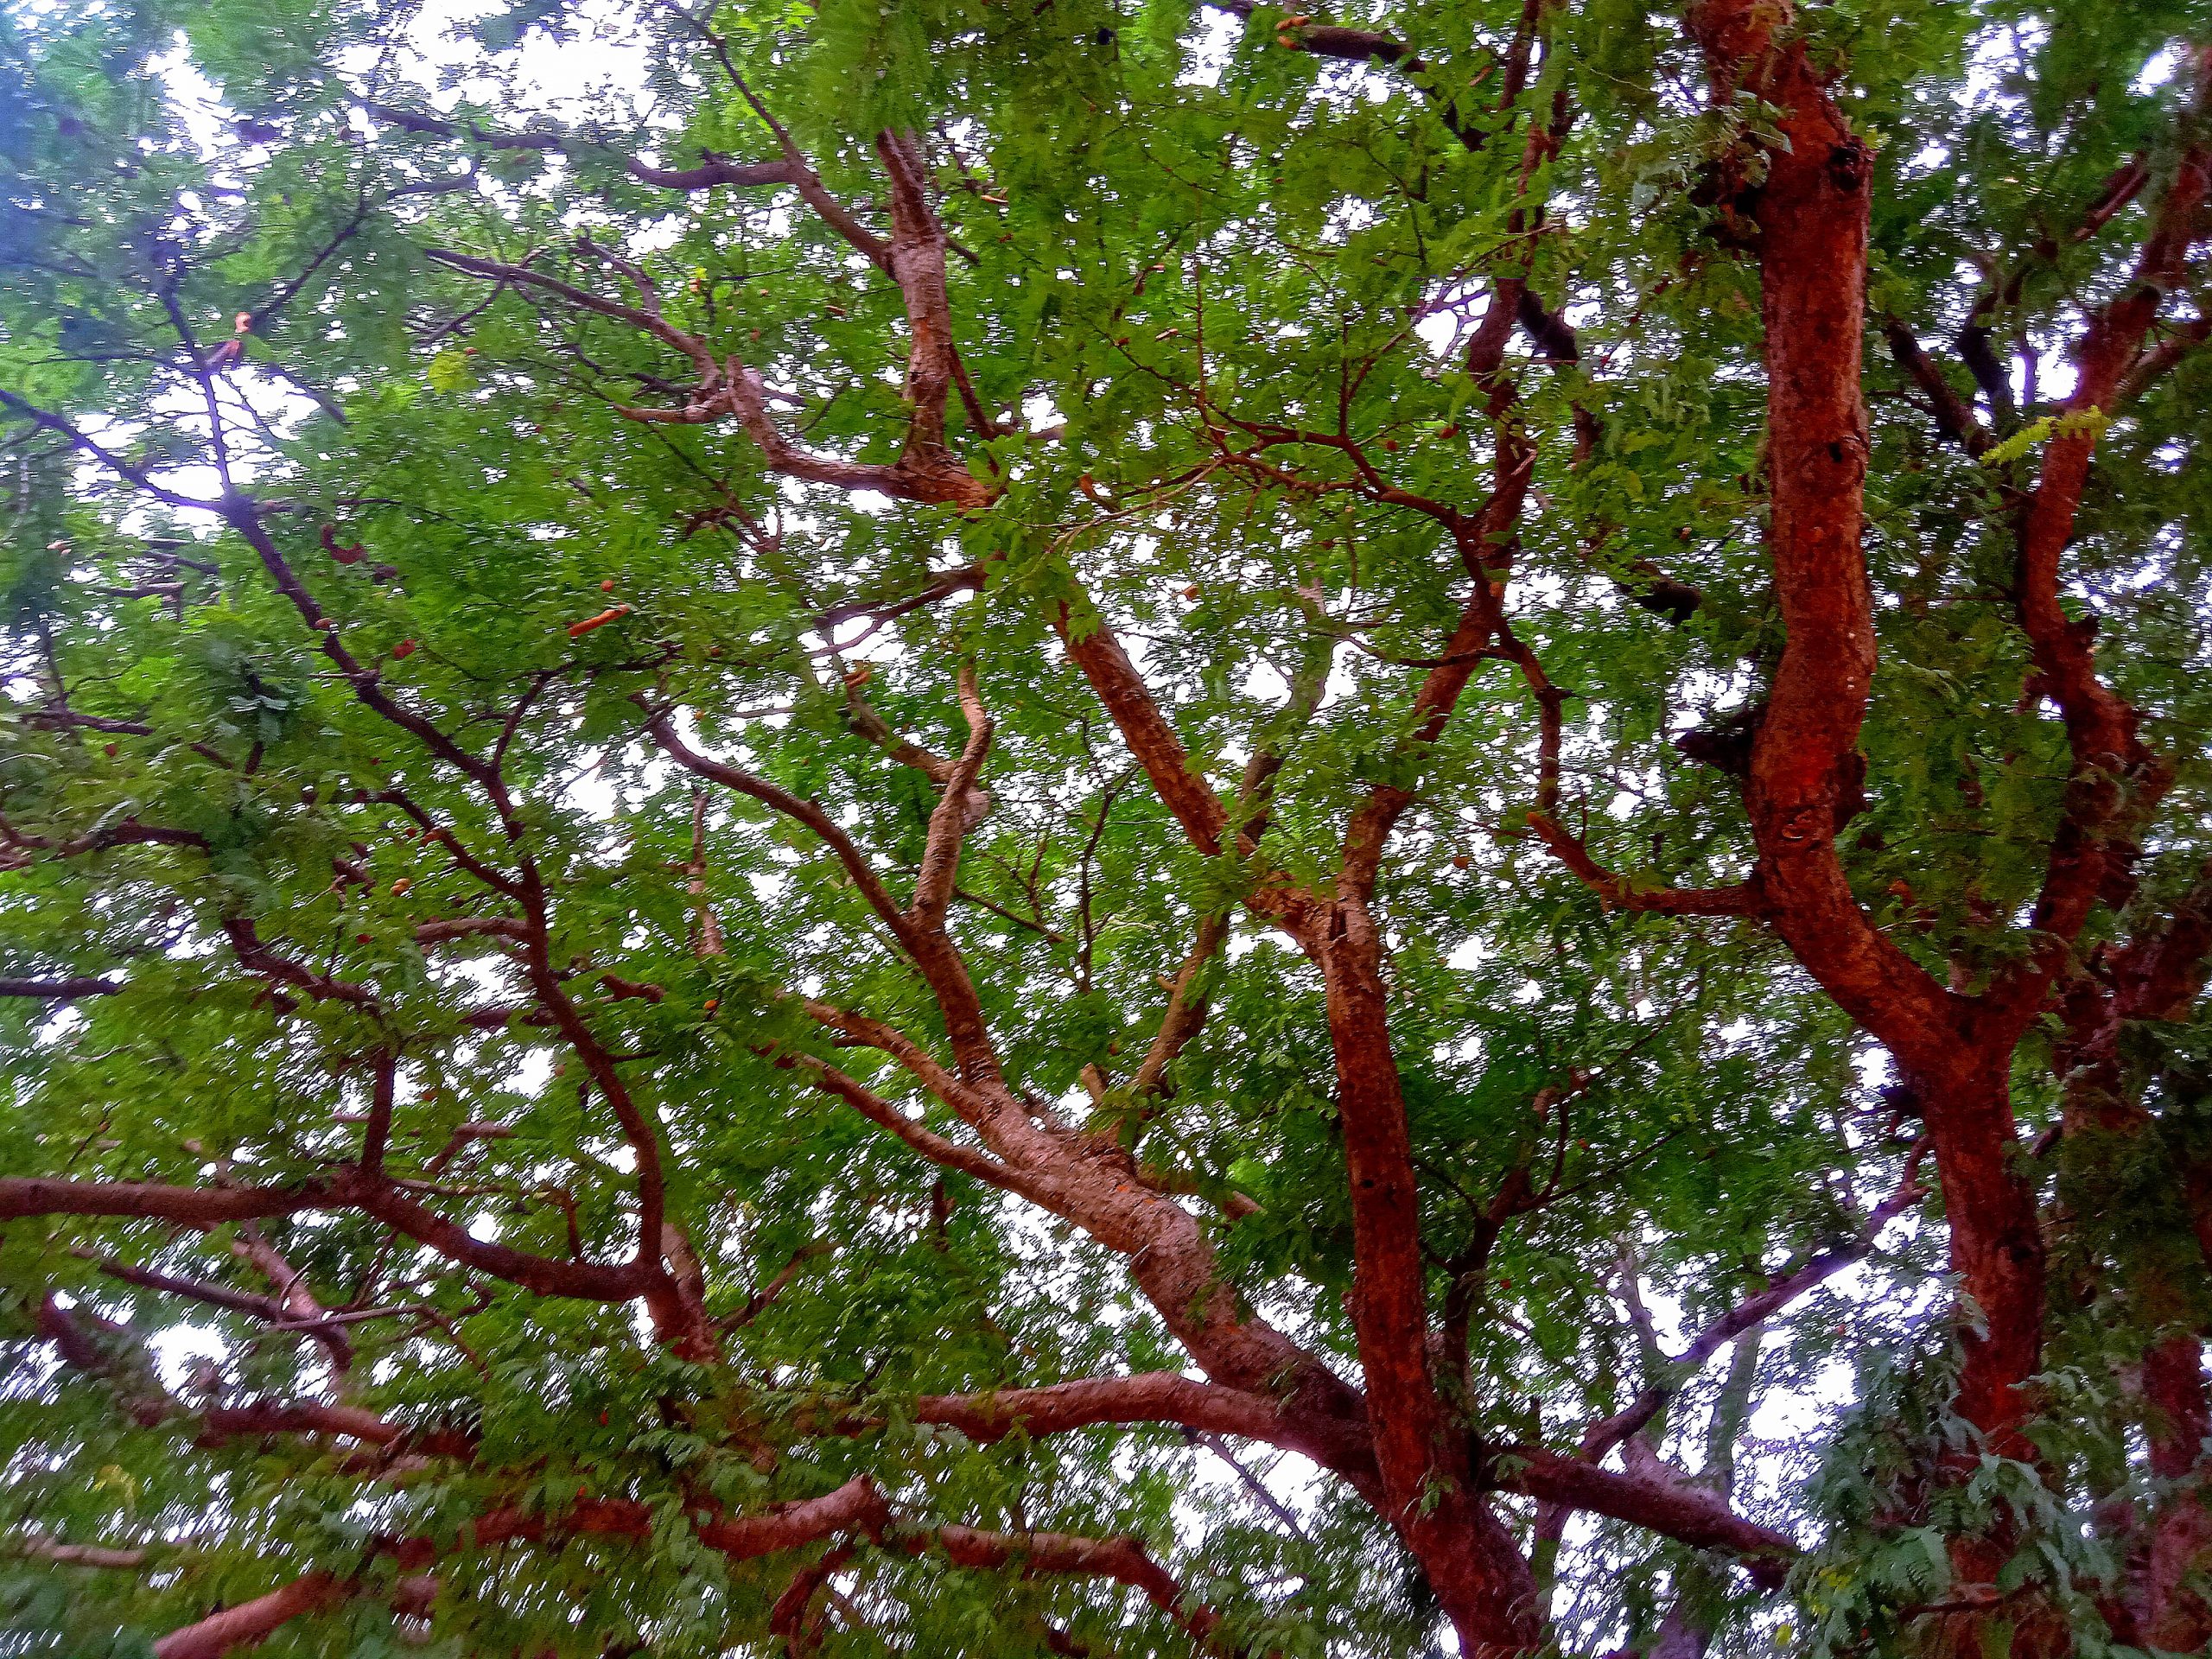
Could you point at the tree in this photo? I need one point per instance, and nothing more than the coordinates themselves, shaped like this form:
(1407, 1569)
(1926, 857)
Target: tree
(1000, 828)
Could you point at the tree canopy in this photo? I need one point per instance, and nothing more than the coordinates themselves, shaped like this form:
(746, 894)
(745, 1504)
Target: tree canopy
(961, 827)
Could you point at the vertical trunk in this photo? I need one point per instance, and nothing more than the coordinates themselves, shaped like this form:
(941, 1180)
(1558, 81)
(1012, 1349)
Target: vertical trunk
(1468, 1556)
(1997, 1251)
(1683, 1633)
(2173, 1617)
(1813, 210)
(1996, 1244)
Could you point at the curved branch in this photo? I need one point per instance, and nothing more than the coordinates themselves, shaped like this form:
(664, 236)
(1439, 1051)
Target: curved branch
(350, 1188)
(1692, 1515)
(1786, 1288)
(59, 991)
(1151, 1397)
(662, 729)
(708, 173)
(1741, 900)
(2115, 776)
(251, 1621)
(1123, 1560)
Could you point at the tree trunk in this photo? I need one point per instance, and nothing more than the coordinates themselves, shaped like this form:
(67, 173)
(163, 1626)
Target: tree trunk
(1471, 1560)
(1996, 1245)
(2172, 1616)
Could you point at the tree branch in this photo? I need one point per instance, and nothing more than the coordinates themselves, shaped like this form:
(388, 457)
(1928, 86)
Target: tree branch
(1689, 1514)
(59, 991)
(254, 1621)
(1785, 1287)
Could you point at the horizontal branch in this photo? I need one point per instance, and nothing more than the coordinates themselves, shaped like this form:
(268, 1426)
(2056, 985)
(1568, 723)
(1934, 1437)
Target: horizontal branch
(1123, 1560)
(1691, 1515)
(59, 991)
(313, 1417)
(713, 171)
(22, 1197)
(1741, 900)
(349, 1189)
(251, 1621)
(855, 1507)
(448, 929)
(38, 1547)
(1150, 1397)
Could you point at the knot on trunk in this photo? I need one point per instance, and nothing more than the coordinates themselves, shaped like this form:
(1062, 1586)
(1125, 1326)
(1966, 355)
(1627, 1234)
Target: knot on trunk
(1848, 165)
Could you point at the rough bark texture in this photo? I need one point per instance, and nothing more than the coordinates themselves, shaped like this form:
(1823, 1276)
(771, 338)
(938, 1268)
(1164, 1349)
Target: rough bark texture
(1812, 212)
(1402, 1432)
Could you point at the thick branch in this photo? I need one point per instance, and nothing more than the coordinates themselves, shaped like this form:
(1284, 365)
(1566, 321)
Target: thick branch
(1150, 739)
(251, 1621)
(1151, 1397)
(2115, 776)
(59, 991)
(348, 1189)
(1742, 899)
(1690, 1514)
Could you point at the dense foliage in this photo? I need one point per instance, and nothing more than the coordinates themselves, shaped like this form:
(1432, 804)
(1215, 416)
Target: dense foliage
(971, 827)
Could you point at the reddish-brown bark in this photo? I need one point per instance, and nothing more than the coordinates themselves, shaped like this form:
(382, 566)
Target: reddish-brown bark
(353, 1188)
(1396, 1437)
(2116, 779)
(1155, 1397)
(1812, 212)
(856, 1508)
(1113, 679)
(2170, 1613)
(252, 1621)
(1123, 1560)
(1954, 1051)
(1673, 1507)
(1472, 1563)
